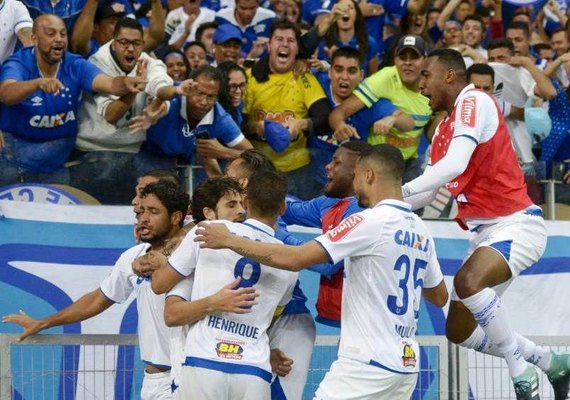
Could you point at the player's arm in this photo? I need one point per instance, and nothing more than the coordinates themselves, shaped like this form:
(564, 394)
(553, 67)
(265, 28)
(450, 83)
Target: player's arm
(25, 37)
(87, 306)
(291, 258)
(437, 295)
(178, 311)
(337, 118)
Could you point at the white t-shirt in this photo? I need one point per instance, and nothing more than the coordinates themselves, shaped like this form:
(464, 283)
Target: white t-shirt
(95, 133)
(389, 256)
(176, 20)
(14, 16)
(153, 332)
(228, 341)
(515, 85)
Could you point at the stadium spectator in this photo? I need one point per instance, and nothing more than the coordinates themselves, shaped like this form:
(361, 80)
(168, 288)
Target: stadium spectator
(195, 122)
(473, 30)
(400, 85)
(232, 89)
(177, 65)
(518, 33)
(69, 11)
(350, 31)
(42, 86)
(342, 78)
(253, 21)
(196, 54)
(17, 25)
(226, 44)
(181, 24)
(205, 34)
(517, 78)
(107, 162)
(275, 93)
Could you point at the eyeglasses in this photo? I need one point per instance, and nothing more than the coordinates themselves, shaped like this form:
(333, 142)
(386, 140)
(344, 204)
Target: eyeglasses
(126, 43)
(210, 98)
(234, 88)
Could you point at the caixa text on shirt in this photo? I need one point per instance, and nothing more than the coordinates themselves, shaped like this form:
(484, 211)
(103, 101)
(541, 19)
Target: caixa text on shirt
(51, 121)
(412, 240)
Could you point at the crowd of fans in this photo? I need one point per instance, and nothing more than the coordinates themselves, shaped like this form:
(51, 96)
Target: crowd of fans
(95, 93)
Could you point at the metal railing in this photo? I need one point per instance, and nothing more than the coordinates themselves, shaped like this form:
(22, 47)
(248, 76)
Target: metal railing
(108, 366)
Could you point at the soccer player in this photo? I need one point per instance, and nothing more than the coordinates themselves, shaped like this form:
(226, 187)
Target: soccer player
(472, 155)
(230, 343)
(327, 212)
(390, 261)
(162, 208)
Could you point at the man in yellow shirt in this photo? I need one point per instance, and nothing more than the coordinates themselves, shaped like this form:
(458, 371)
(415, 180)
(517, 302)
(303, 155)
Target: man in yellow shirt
(297, 102)
(400, 85)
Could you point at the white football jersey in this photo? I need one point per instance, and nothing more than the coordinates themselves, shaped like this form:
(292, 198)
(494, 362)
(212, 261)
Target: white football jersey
(229, 342)
(153, 332)
(182, 289)
(389, 256)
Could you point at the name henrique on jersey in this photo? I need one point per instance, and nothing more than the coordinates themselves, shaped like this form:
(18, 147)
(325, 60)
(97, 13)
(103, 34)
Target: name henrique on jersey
(389, 256)
(153, 332)
(230, 342)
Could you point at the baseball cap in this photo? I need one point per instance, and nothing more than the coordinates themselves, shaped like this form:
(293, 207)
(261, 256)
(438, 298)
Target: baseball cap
(226, 32)
(412, 42)
(110, 9)
(276, 135)
(452, 24)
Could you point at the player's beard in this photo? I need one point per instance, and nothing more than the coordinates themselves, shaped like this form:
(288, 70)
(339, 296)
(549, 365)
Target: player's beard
(156, 235)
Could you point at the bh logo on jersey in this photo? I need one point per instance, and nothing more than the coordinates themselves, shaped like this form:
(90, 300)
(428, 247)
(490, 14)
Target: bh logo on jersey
(229, 350)
(409, 356)
(345, 227)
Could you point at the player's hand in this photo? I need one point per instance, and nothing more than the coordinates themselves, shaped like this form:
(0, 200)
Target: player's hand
(213, 236)
(233, 299)
(146, 264)
(280, 363)
(211, 148)
(383, 126)
(564, 58)
(31, 326)
(344, 132)
(51, 85)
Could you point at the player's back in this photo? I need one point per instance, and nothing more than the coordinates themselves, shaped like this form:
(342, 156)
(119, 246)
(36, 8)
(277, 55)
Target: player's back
(393, 256)
(229, 341)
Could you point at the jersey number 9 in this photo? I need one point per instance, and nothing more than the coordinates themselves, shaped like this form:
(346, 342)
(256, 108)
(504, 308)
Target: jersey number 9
(248, 270)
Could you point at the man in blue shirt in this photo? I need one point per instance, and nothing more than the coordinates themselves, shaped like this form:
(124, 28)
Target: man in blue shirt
(342, 78)
(253, 21)
(196, 121)
(40, 89)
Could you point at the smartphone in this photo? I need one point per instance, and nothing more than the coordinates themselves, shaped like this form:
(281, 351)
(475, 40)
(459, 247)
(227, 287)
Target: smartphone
(248, 62)
(203, 134)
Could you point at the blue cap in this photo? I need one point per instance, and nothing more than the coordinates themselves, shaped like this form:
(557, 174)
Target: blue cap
(225, 33)
(276, 135)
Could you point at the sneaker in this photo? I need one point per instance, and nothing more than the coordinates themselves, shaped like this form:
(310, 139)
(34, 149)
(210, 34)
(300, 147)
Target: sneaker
(559, 375)
(526, 385)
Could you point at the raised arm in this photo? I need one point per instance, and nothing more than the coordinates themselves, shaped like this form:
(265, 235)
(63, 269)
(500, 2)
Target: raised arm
(155, 34)
(291, 258)
(83, 28)
(87, 306)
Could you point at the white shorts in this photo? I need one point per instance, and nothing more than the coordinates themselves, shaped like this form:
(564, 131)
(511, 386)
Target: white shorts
(349, 379)
(520, 238)
(294, 334)
(207, 384)
(156, 386)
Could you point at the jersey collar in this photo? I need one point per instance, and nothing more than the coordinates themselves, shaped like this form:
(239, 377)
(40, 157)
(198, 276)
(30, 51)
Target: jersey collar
(400, 205)
(463, 91)
(260, 226)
